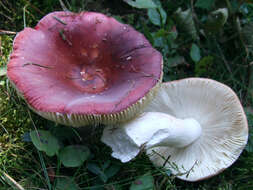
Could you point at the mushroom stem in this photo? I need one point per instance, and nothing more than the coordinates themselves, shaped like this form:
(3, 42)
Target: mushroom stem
(151, 129)
(177, 133)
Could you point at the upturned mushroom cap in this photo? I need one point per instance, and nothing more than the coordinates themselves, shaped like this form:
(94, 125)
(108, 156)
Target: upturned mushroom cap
(224, 127)
(85, 68)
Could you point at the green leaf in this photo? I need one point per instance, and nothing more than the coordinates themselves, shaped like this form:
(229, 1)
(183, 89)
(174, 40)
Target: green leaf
(105, 172)
(45, 141)
(141, 4)
(147, 33)
(172, 36)
(184, 22)
(112, 170)
(74, 155)
(106, 165)
(158, 3)
(161, 33)
(66, 183)
(95, 169)
(204, 4)
(64, 133)
(145, 182)
(154, 17)
(3, 71)
(175, 61)
(195, 53)
(216, 20)
(159, 41)
(157, 16)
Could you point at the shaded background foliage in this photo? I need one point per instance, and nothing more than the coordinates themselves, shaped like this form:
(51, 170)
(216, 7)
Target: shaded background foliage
(198, 38)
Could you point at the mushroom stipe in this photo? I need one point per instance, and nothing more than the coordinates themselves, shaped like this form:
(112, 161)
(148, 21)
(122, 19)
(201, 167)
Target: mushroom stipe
(197, 124)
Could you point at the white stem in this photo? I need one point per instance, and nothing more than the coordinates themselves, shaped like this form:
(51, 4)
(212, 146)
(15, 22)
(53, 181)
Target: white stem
(150, 130)
(178, 133)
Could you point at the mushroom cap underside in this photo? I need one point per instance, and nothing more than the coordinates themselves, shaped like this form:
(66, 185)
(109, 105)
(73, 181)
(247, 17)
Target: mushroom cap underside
(224, 127)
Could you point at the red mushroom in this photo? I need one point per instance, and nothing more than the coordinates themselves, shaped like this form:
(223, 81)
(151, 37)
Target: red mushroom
(84, 68)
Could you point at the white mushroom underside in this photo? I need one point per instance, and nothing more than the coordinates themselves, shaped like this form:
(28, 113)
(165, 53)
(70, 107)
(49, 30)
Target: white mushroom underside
(221, 116)
(216, 109)
(151, 129)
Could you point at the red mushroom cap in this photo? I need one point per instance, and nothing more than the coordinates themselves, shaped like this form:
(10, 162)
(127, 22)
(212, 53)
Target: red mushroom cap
(78, 69)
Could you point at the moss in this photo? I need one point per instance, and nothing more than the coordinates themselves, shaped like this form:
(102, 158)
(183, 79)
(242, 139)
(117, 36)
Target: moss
(5, 49)
(14, 121)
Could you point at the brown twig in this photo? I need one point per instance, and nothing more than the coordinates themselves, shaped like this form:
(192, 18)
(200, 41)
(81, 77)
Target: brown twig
(35, 64)
(64, 38)
(6, 32)
(59, 20)
(133, 69)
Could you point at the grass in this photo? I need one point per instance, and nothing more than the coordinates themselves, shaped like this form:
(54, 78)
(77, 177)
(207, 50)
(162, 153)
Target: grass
(31, 169)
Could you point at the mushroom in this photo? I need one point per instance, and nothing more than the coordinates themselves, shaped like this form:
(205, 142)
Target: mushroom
(84, 68)
(195, 127)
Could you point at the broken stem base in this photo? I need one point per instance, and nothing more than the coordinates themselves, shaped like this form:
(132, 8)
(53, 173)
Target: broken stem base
(151, 129)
